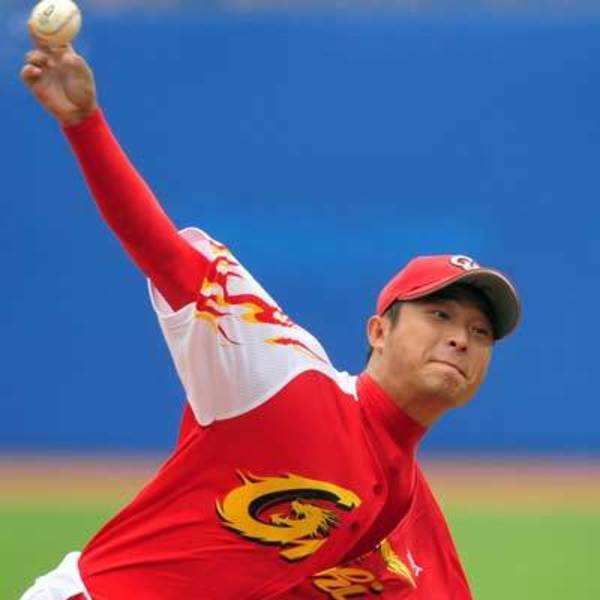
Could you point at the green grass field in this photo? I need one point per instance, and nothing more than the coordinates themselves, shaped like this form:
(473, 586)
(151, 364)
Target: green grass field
(543, 545)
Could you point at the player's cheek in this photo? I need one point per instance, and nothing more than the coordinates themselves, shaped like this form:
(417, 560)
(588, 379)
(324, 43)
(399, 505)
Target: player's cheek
(481, 371)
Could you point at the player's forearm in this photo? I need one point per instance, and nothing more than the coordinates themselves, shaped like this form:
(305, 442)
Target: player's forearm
(134, 214)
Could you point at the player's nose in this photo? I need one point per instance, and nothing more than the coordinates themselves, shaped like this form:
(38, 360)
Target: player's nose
(458, 340)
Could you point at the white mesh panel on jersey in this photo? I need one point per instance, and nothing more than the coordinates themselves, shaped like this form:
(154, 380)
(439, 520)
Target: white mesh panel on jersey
(234, 348)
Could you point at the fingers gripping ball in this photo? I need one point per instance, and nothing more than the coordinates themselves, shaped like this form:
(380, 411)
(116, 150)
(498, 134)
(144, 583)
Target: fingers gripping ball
(55, 22)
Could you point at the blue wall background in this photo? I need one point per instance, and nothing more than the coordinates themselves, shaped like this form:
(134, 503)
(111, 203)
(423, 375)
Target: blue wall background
(326, 150)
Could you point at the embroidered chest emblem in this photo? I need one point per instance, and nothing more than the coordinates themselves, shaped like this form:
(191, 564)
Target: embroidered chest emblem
(290, 511)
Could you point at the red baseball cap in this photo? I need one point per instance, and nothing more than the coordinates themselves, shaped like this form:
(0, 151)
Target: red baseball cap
(425, 275)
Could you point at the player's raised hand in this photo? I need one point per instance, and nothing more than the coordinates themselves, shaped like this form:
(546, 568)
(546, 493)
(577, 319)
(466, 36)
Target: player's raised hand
(62, 82)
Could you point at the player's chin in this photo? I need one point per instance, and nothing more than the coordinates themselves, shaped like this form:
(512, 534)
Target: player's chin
(452, 390)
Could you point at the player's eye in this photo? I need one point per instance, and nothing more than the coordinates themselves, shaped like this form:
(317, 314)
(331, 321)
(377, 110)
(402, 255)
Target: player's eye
(483, 332)
(440, 314)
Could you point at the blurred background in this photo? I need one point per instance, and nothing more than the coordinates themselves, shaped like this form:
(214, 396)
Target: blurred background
(326, 142)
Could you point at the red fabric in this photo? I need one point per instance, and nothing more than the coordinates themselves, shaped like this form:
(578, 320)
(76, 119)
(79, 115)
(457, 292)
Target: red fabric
(411, 523)
(78, 597)
(420, 542)
(172, 543)
(134, 214)
(390, 430)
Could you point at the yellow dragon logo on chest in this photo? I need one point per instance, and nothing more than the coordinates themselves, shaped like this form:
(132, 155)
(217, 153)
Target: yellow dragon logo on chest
(302, 528)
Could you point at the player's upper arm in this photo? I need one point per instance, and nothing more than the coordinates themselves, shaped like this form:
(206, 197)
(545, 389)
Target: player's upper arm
(234, 347)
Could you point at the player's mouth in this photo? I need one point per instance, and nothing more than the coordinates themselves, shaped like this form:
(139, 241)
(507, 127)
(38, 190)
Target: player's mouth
(449, 364)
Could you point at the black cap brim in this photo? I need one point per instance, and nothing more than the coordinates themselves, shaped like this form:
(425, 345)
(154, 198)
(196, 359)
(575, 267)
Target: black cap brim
(502, 296)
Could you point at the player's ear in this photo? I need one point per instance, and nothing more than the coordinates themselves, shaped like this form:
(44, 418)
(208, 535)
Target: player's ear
(377, 328)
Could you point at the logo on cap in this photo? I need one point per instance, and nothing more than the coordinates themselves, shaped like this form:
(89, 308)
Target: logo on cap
(464, 262)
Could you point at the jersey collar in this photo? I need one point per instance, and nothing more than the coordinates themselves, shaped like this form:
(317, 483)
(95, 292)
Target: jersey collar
(404, 430)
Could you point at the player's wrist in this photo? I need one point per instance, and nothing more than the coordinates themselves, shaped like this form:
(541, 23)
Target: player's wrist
(80, 118)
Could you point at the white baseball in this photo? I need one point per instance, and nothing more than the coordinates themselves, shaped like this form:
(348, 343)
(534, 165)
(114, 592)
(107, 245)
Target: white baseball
(56, 22)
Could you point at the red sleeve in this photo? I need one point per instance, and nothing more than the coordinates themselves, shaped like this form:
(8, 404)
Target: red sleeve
(134, 214)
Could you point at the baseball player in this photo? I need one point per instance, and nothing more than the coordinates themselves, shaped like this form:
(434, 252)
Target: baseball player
(290, 479)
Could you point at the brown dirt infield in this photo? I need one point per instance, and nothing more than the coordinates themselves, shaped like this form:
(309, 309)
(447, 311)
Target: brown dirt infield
(544, 484)
(539, 485)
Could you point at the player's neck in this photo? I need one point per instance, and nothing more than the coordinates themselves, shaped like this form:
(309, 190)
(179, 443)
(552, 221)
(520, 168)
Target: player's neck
(425, 410)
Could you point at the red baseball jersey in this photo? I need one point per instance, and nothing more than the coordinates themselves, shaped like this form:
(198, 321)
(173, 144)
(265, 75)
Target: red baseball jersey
(290, 479)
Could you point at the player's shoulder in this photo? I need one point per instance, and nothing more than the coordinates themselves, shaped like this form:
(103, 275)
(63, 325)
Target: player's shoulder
(312, 402)
(321, 391)
(235, 348)
(341, 382)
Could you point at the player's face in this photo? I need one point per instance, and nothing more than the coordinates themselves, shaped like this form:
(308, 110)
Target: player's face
(438, 350)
